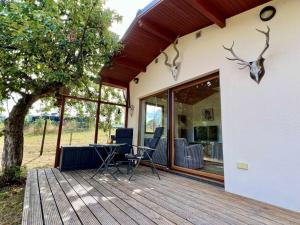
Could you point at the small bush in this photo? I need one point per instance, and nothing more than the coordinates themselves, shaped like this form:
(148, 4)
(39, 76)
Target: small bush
(13, 177)
(37, 127)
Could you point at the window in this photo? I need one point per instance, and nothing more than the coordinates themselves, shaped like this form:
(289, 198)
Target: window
(154, 117)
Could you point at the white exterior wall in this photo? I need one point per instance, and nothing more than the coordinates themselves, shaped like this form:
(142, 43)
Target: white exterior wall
(261, 123)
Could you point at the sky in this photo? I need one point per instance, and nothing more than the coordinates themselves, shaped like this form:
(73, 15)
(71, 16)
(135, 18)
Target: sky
(127, 9)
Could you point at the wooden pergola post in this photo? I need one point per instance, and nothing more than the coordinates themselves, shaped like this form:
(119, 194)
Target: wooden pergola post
(127, 106)
(98, 114)
(61, 121)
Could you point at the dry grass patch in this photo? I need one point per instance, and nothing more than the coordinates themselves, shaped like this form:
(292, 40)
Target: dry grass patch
(11, 204)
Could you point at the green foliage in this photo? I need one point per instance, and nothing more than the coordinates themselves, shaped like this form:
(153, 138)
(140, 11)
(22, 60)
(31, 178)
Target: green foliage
(110, 114)
(13, 176)
(38, 126)
(16, 171)
(2, 109)
(47, 44)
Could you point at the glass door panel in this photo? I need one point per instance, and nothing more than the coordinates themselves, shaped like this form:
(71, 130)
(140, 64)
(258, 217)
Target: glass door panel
(154, 113)
(197, 127)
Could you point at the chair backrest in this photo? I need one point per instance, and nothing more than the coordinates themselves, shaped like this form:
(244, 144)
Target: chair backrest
(154, 141)
(180, 151)
(124, 135)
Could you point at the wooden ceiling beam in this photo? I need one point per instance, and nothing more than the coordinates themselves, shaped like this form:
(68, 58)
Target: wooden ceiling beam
(155, 38)
(129, 64)
(158, 31)
(206, 9)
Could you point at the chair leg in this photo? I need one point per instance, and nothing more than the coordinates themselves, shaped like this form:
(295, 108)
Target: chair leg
(133, 170)
(129, 167)
(154, 169)
(118, 168)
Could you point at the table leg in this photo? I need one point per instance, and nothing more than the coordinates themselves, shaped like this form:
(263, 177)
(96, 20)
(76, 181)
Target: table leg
(111, 152)
(112, 155)
(102, 164)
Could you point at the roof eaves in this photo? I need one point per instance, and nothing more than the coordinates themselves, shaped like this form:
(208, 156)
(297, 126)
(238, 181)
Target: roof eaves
(148, 7)
(141, 13)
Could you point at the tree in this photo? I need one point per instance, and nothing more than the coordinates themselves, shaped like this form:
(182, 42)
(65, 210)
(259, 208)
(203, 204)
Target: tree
(46, 45)
(110, 114)
(2, 109)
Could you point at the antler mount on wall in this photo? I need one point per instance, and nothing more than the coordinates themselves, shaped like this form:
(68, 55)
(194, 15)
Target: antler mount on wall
(174, 66)
(257, 69)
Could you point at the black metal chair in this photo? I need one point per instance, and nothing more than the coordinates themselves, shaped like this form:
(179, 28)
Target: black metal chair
(144, 153)
(123, 135)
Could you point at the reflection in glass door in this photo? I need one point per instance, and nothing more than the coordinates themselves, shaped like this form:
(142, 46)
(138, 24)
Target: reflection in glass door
(197, 128)
(154, 113)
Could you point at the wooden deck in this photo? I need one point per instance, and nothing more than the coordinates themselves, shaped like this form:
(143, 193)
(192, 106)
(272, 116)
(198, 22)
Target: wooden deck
(52, 197)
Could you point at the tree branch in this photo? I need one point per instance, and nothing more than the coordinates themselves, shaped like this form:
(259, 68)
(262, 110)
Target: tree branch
(80, 54)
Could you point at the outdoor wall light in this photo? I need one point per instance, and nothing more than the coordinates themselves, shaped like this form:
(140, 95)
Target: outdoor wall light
(267, 13)
(136, 80)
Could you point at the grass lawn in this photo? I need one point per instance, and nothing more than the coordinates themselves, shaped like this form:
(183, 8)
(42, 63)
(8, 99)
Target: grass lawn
(32, 146)
(11, 205)
(11, 198)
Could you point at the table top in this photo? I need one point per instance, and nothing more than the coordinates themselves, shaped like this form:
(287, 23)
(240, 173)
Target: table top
(108, 145)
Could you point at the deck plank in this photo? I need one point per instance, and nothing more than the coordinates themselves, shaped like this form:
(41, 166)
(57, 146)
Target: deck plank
(123, 212)
(153, 206)
(272, 213)
(146, 211)
(221, 209)
(178, 195)
(188, 213)
(233, 207)
(26, 204)
(100, 212)
(157, 208)
(66, 211)
(215, 202)
(83, 212)
(53, 197)
(50, 211)
(35, 214)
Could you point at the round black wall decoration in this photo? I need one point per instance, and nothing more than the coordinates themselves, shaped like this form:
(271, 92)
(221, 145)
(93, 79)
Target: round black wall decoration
(267, 13)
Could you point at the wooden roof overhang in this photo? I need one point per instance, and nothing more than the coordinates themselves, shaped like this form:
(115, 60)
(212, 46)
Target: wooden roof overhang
(159, 24)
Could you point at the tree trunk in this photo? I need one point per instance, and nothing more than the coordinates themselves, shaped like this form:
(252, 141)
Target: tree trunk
(13, 137)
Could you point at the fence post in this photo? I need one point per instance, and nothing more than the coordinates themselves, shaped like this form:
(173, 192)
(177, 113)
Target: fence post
(71, 138)
(43, 139)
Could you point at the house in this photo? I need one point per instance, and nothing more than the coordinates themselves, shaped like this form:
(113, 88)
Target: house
(220, 123)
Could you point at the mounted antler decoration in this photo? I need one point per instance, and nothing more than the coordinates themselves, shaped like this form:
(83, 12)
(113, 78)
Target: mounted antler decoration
(175, 65)
(257, 69)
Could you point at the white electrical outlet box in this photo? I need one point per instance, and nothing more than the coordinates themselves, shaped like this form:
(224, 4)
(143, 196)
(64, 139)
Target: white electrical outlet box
(242, 166)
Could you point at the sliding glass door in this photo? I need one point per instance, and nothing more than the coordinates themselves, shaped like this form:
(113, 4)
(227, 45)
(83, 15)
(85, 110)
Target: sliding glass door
(197, 128)
(192, 113)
